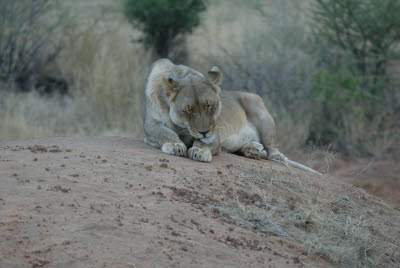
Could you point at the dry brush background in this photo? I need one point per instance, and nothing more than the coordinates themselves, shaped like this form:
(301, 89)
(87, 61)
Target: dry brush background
(261, 52)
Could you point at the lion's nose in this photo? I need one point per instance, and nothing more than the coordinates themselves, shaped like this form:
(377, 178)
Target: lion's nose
(203, 132)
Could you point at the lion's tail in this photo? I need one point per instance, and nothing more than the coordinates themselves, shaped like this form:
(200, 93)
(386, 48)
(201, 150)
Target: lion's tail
(299, 166)
(290, 163)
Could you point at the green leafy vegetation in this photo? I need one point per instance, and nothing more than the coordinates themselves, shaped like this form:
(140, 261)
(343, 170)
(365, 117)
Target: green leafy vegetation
(367, 30)
(164, 21)
(357, 41)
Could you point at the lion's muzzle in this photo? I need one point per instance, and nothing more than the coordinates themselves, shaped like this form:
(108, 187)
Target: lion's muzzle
(209, 140)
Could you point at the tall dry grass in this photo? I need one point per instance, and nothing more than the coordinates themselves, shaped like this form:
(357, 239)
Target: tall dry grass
(106, 80)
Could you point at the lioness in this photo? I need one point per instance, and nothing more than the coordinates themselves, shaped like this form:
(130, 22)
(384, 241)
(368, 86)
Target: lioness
(184, 109)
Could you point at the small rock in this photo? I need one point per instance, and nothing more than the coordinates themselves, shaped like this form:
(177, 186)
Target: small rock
(149, 168)
(175, 233)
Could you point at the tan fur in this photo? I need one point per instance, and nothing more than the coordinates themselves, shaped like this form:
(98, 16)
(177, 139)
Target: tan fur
(180, 103)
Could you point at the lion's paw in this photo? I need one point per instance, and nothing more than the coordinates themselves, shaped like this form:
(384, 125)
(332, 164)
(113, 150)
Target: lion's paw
(274, 154)
(253, 150)
(178, 148)
(200, 154)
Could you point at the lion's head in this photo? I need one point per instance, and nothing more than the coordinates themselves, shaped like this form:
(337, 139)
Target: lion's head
(195, 103)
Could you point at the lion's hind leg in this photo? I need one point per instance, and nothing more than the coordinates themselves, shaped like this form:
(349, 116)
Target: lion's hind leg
(258, 114)
(252, 150)
(255, 150)
(274, 154)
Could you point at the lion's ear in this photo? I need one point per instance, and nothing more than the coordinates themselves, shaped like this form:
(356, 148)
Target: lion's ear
(215, 75)
(171, 87)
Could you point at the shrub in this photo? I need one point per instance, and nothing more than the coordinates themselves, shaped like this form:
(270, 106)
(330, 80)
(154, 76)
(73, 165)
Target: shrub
(27, 39)
(368, 30)
(164, 21)
(356, 40)
(351, 117)
(344, 91)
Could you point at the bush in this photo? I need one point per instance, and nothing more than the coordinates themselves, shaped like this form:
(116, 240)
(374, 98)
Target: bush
(357, 39)
(344, 91)
(27, 39)
(164, 21)
(368, 30)
(343, 100)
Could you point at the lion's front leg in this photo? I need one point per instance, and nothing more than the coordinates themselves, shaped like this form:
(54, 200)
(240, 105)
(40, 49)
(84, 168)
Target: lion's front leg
(162, 137)
(174, 148)
(203, 152)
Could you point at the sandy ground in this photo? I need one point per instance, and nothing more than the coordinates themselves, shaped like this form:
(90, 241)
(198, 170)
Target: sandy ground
(116, 202)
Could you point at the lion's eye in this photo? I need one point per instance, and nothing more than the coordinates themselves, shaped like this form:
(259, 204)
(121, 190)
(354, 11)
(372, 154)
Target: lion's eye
(208, 106)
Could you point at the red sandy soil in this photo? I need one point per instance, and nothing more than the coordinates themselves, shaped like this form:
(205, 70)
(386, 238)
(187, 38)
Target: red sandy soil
(116, 202)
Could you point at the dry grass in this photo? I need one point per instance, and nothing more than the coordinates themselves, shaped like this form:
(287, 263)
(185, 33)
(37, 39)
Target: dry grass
(25, 116)
(366, 136)
(106, 83)
(105, 72)
(320, 158)
(335, 226)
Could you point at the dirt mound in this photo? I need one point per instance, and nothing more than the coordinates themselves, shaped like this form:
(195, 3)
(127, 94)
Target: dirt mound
(116, 202)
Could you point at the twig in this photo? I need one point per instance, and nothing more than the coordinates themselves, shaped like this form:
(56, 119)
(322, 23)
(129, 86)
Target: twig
(365, 168)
